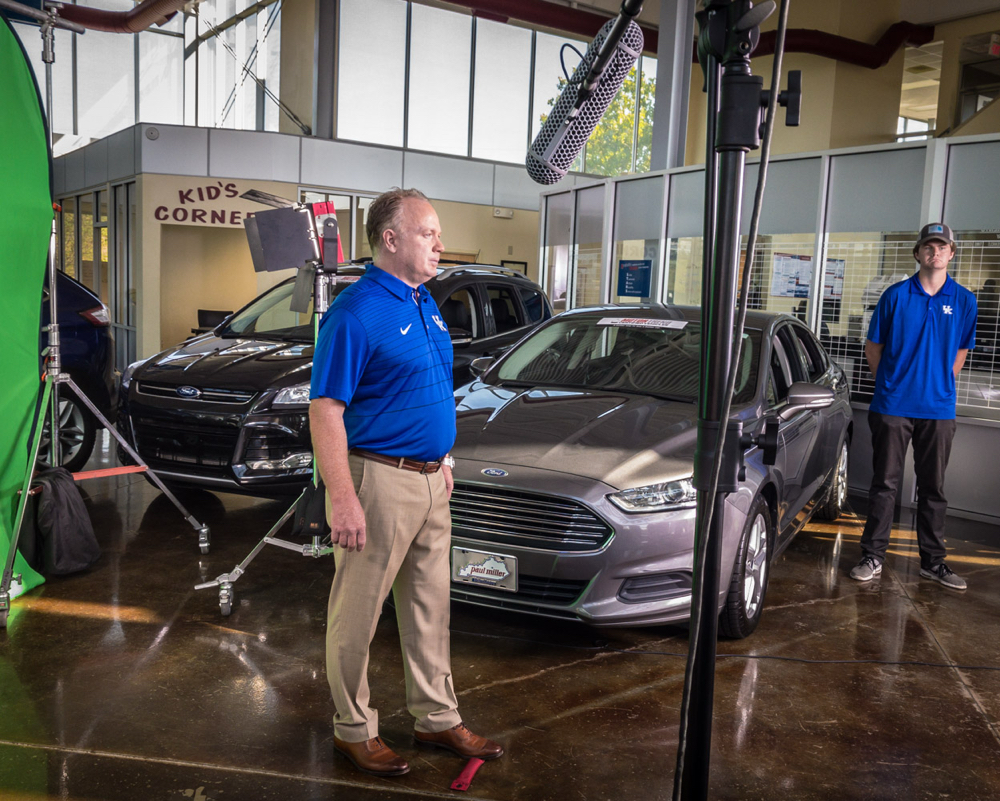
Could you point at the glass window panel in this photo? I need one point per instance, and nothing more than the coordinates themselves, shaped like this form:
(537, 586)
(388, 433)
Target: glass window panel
(103, 273)
(105, 83)
(88, 274)
(62, 73)
(892, 203)
(647, 102)
(587, 247)
(685, 271)
(190, 71)
(439, 80)
(555, 256)
(976, 266)
(362, 249)
(638, 217)
(108, 5)
(269, 62)
(132, 256)
(609, 148)
(503, 75)
(359, 73)
(161, 79)
(119, 297)
(870, 262)
(69, 236)
(549, 78)
(225, 80)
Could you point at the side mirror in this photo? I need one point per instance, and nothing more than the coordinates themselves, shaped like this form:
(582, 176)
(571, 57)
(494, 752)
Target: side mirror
(803, 395)
(460, 337)
(479, 366)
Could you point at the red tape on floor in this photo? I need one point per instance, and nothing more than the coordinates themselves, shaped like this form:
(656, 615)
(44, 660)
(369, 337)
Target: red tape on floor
(465, 777)
(109, 471)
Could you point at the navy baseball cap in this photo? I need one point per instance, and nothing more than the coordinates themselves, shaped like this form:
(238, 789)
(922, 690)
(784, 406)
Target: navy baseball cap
(933, 231)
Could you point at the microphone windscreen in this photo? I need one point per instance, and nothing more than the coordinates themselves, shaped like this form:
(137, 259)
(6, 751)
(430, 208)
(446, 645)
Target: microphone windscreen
(568, 140)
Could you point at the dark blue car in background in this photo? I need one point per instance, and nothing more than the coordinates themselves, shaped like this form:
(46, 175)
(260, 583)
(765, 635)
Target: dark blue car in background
(88, 357)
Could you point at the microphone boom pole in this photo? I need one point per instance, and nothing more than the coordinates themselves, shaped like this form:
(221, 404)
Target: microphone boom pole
(729, 31)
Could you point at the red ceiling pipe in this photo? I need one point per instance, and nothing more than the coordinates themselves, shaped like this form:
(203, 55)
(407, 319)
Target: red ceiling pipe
(550, 15)
(849, 51)
(147, 13)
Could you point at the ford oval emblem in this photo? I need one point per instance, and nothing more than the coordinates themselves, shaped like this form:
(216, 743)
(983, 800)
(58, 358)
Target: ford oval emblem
(494, 472)
(188, 392)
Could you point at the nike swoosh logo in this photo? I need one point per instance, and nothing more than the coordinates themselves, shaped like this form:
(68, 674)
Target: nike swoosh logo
(405, 331)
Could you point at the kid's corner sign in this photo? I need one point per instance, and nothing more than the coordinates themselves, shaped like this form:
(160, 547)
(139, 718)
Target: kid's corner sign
(203, 202)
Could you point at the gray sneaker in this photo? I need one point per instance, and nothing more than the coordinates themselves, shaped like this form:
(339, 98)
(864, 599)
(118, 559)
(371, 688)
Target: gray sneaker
(943, 574)
(867, 569)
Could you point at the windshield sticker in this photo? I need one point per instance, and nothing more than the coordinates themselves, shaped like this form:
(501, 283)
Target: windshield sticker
(641, 322)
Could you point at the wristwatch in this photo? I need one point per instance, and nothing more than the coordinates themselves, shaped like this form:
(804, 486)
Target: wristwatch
(448, 461)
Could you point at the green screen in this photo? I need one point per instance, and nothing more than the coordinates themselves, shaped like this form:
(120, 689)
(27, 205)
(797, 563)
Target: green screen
(25, 227)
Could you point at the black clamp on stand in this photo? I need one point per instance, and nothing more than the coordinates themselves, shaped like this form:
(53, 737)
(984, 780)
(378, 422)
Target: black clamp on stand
(728, 33)
(288, 236)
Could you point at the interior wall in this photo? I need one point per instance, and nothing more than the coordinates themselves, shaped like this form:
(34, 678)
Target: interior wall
(201, 268)
(469, 227)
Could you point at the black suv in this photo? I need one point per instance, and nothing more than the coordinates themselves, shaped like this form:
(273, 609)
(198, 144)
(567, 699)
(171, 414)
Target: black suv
(228, 410)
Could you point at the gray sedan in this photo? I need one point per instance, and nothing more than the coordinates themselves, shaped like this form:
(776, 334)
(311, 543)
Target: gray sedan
(573, 484)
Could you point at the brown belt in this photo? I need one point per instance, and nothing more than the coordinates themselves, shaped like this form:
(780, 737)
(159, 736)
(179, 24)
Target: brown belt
(398, 461)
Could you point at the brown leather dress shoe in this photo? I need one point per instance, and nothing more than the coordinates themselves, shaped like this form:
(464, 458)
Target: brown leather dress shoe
(462, 741)
(373, 756)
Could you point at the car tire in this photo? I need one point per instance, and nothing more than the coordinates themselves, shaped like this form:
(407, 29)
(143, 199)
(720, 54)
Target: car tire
(835, 500)
(751, 570)
(77, 432)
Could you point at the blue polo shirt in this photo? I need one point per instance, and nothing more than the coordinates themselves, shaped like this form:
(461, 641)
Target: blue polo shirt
(389, 358)
(922, 335)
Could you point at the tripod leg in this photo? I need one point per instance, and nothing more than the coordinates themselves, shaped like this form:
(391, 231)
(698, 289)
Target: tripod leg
(225, 582)
(204, 535)
(22, 502)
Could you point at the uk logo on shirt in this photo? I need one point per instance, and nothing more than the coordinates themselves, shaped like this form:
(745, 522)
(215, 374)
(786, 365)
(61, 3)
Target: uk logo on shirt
(946, 309)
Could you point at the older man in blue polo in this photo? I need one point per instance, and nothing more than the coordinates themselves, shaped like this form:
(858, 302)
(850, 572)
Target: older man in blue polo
(918, 339)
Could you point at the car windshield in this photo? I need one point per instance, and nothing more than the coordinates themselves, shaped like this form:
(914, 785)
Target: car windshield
(270, 316)
(645, 356)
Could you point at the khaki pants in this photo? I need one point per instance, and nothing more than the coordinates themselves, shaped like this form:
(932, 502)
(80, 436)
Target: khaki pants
(408, 527)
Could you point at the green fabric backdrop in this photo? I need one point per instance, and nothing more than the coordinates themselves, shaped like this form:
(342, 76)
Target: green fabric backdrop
(25, 226)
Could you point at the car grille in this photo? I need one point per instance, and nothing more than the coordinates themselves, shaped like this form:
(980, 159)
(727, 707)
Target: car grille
(531, 590)
(175, 444)
(209, 395)
(526, 519)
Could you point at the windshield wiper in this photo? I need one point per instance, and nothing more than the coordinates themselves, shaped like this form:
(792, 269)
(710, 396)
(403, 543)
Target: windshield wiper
(658, 395)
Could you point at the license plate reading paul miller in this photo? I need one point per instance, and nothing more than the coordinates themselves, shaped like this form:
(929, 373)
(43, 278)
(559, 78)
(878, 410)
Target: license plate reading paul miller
(484, 569)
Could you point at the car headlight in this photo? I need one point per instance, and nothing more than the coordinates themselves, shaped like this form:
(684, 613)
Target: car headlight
(297, 395)
(129, 372)
(668, 496)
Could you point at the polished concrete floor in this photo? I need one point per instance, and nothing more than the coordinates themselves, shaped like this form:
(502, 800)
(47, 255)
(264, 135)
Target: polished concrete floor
(124, 683)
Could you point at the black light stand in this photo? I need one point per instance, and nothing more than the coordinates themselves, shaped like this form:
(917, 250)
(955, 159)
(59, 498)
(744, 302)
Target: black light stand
(54, 376)
(278, 241)
(729, 31)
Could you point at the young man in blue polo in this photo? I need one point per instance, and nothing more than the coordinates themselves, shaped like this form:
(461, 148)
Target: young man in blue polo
(383, 419)
(919, 336)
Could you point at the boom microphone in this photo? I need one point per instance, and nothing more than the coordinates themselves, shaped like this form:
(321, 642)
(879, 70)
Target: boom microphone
(583, 102)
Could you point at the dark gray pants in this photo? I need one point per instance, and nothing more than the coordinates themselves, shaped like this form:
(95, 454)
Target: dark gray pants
(931, 449)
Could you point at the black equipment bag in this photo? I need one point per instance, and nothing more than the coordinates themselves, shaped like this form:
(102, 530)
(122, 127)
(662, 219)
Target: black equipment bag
(64, 536)
(309, 517)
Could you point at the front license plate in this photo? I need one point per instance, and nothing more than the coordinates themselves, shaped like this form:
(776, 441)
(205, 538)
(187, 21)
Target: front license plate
(484, 569)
